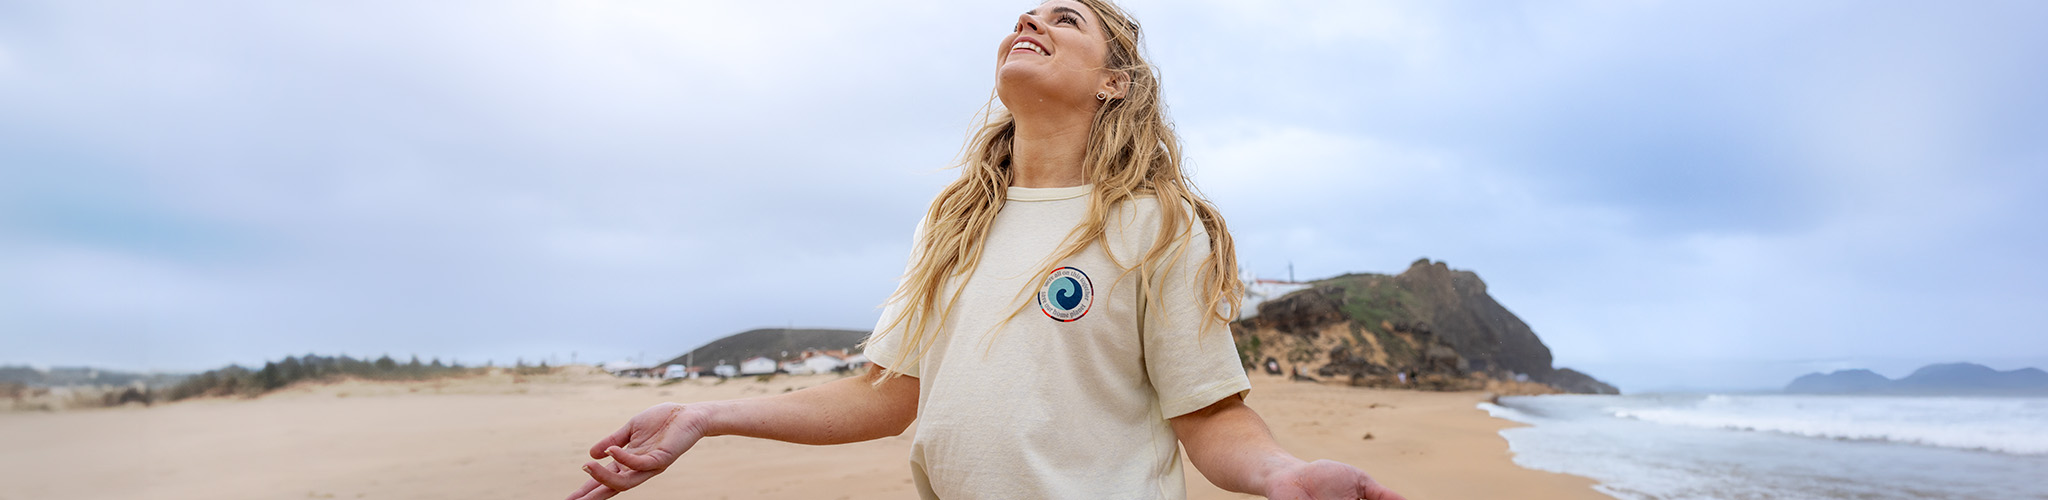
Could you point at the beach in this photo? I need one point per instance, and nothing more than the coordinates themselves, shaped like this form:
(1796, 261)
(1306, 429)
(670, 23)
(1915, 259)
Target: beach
(505, 436)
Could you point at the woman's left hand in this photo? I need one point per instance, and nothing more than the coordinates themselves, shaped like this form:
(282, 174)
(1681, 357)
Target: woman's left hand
(1325, 480)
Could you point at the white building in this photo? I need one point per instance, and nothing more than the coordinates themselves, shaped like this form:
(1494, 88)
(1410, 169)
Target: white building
(757, 365)
(725, 371)
(1257, 291)
(623, 367)
(797, 368)
(822, 363)
(856, 361)
(678, 371)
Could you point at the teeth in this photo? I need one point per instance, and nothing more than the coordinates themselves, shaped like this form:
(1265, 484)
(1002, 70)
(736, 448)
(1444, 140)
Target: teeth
(1028, 45)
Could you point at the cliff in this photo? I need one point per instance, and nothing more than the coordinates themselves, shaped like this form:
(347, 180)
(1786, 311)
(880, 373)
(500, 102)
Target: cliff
(1429, 327)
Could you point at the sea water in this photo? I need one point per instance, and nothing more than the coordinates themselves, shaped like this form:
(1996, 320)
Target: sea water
(1669, 447)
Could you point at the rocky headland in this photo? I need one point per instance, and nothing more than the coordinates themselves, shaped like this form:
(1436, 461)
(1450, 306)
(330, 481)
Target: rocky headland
(1430, 327)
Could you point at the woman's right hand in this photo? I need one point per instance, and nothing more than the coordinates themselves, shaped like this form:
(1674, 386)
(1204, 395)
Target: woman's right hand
(644, 447)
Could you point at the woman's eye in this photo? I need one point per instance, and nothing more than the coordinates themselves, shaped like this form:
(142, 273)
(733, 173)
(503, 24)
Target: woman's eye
(1066, 19)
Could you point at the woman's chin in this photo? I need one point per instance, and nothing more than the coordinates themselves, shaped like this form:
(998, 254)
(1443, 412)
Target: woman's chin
(1020, 70)
(1022, 81)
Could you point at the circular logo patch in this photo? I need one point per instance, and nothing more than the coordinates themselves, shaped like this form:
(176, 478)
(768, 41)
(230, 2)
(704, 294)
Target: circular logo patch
(1066, 295)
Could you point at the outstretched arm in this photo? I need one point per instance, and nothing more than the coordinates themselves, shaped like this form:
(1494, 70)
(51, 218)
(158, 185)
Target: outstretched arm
(1232, 446)
(847, 410)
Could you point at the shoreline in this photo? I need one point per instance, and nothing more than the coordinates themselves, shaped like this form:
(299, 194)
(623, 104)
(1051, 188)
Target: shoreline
(497, 436)
(1436, 445)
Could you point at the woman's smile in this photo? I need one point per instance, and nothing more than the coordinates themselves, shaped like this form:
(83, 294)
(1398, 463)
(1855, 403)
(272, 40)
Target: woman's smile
(1029, 45)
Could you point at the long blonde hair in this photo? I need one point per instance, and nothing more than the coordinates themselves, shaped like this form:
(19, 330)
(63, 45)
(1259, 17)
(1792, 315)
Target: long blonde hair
(1132, 151)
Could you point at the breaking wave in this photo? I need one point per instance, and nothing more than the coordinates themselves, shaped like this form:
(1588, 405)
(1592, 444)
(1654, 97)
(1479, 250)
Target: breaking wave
(2004, 425)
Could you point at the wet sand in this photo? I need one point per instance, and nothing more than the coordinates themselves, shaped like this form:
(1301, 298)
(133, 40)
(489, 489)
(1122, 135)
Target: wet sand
(501, 436)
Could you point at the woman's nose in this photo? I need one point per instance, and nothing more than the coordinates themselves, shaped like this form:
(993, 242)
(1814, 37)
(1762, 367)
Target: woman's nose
(1027, 23)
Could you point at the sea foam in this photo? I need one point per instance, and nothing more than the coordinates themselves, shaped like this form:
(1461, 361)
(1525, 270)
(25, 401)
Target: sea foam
(2005, 425)
(1694, 447)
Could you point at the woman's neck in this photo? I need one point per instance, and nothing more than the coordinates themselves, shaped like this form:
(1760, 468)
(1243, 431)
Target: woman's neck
(1045, 155)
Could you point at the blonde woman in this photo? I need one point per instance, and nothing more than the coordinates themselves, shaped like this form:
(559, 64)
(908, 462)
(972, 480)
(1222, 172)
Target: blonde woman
(1061, 332)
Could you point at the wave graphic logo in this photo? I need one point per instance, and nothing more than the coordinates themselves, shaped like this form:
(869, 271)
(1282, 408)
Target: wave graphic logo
(1067, 294)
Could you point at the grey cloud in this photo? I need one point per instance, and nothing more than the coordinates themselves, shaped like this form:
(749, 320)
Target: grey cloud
(1716, 183)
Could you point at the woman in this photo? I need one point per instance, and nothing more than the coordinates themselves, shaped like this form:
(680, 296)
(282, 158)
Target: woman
(1071, 202)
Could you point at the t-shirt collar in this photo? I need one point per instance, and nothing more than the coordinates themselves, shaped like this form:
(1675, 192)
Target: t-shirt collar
(1048, 194)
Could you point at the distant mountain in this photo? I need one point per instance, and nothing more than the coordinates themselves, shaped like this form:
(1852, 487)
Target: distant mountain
(770, 342)
(1938, 379)
(1839, 382)
(1430, 327)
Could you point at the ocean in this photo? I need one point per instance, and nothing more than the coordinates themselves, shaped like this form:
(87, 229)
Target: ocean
(1719, 446)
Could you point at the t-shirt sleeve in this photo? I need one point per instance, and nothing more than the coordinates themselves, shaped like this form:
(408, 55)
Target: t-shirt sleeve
(1189, 354)
(887, 350)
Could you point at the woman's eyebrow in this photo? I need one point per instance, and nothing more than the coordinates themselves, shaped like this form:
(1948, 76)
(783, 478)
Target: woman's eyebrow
(1063, 9)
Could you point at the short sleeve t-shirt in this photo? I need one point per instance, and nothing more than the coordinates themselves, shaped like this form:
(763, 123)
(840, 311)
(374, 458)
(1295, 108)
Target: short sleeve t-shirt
(1068, 398)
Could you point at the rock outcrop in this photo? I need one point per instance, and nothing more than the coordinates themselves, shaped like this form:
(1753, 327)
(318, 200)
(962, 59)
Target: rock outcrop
(1429, 327)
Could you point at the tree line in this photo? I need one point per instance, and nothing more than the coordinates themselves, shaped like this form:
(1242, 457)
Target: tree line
(234, 380)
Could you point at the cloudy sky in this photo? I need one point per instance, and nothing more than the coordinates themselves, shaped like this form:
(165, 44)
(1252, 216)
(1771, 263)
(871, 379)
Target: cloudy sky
(1674, 194)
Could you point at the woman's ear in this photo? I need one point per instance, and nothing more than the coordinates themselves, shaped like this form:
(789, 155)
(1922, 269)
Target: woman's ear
(1118, 84)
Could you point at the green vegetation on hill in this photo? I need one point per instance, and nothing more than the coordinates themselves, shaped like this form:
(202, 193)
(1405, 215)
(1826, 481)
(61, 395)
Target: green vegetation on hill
(235, 380)
(1427, 327)
(1370, 303)
(769, 342)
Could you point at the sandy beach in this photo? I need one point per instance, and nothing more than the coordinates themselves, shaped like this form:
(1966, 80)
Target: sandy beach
(501, 436)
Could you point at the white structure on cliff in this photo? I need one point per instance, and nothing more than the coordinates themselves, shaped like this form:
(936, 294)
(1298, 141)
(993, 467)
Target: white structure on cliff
(1258, 291)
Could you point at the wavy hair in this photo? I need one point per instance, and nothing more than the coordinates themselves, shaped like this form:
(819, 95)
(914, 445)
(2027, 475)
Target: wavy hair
(1132, 152)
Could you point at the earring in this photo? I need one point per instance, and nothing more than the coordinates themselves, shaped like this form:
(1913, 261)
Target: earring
(1102, 96)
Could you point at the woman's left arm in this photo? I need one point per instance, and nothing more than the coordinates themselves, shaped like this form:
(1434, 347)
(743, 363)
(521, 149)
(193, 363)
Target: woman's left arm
(1231, 445)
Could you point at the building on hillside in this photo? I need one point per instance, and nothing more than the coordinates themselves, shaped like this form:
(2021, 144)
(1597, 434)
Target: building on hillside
(822, 363)
(757, 365)
(1257, 291)
(680, 371)
(624, 368)
(725, 371)
(855, 361)
(837, 353)
(797, 368)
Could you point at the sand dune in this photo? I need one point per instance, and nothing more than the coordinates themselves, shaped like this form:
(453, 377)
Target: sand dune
(497, 437)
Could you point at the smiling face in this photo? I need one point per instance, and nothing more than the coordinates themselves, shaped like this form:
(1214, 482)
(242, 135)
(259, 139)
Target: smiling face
(1054, 55)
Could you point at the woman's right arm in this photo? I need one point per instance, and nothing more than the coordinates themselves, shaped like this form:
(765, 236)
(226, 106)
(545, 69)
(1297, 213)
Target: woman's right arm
(847, 410)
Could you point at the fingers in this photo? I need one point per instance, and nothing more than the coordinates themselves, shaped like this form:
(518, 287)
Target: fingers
(655, 460)
(617, 438)
(617, 477)
(1373, 491)
(1382, 493)
(592, 490)
(601, 493)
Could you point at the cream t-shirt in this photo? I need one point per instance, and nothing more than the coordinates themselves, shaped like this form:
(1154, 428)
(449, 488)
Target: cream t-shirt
(1070, 398)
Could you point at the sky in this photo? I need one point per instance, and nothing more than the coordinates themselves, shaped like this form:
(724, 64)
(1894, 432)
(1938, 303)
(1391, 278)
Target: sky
(1674, 195)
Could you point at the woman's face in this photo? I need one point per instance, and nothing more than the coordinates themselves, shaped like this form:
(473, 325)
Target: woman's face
(1055, 53)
